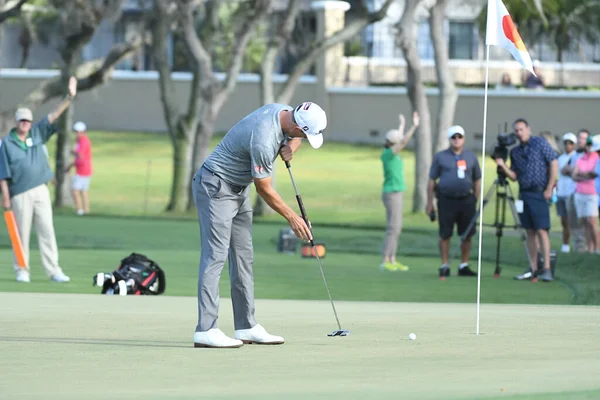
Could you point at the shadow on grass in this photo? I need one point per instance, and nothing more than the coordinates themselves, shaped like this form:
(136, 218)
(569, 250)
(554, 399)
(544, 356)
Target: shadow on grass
(96, 342)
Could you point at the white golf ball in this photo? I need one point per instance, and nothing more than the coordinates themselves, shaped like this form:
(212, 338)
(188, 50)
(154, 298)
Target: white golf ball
(412, 336)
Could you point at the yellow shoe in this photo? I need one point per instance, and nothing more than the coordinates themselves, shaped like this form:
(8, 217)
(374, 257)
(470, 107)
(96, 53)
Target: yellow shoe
(388, 267)
(400, 267)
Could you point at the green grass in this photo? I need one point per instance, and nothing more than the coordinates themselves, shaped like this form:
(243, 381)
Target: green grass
(339, 183)
(98, 347)
(341, 188)
(89, 245)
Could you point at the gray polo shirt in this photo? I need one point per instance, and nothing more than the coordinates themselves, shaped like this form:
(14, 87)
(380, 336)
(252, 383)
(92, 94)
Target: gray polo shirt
(25, 164)
(249, 148)
(452, 182)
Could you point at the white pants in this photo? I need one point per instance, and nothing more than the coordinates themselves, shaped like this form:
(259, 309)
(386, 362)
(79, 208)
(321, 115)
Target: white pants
(34, 206)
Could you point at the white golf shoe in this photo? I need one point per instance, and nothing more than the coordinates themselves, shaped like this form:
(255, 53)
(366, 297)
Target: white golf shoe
(60, 278)
(23, 276)
(215, 338)
(257, 335)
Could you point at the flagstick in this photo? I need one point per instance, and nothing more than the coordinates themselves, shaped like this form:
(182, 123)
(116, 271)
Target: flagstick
(482, 186)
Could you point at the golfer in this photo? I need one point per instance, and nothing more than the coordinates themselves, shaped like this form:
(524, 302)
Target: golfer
(221, 189)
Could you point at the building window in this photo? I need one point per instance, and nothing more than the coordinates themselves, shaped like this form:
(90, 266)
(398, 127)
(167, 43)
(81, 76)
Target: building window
(461, 40)
(424, 44)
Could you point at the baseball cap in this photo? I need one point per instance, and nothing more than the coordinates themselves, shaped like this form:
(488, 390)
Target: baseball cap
(24, 114)
(570, 136)
(312, 120)
(595, 143)
(79, 127)
(393, 136)
(454, 130)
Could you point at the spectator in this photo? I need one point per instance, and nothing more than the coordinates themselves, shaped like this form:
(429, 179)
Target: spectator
(596, 139)
(505, 83)
(586, 198)
(535, 81)
(565, 188)
(534, 164)
(459, 177)
(82, 153)
(393, 191)
(24, 175)
(575, 226)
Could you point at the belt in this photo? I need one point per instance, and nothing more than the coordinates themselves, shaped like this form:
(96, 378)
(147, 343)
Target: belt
(532, 189)
(237, 189)
(466, 196)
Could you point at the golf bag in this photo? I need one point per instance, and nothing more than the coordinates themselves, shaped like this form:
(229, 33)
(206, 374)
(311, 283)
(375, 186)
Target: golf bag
(136, 275)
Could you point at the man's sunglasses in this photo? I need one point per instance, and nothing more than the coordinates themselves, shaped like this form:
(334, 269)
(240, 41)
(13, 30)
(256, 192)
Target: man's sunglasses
(454, 137)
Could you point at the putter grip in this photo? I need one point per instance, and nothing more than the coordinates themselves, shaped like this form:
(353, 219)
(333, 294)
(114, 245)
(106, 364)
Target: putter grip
(304, 217)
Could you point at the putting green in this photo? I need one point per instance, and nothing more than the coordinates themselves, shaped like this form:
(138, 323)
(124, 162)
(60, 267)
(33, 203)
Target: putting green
(72, 346)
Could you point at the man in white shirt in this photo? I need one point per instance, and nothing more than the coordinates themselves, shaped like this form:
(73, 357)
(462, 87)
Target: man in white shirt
(565, 188)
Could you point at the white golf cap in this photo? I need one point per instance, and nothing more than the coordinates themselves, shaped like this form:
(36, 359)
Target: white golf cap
(312, 120)
(393, 136)
(23, 114)
(453, 130)
(79, 127)
(570, 136)
(596, 143)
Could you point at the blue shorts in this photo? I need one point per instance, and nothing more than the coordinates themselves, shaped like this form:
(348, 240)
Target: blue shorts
(536, 211)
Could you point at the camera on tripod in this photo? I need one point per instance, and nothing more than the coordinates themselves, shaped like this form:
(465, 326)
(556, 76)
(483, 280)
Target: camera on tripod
(504, 141)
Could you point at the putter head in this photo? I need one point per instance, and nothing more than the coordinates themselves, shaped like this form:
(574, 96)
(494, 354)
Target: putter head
(339, 332)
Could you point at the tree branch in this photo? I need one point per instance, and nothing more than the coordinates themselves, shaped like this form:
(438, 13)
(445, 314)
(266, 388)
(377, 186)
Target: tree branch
(160, 32)
(259, 11)
(275, 43)
(99, 76)
(200, 56)
(319, 47)
(11, 12)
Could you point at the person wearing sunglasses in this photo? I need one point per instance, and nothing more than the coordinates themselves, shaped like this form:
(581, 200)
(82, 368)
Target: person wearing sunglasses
(458, 177)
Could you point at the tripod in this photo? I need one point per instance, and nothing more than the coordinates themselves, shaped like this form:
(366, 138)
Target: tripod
(503, 194)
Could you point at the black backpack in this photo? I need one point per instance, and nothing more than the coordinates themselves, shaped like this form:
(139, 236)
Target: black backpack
(136, 275)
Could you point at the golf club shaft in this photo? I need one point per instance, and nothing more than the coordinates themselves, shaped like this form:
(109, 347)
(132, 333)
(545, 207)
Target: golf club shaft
(312, 242)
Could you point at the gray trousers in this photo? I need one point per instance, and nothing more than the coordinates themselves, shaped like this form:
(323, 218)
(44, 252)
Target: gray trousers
(393, 203)
(225, 216)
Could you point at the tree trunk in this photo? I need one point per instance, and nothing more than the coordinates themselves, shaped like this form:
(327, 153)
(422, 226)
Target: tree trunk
(182, 156)
(202, 139)
(62, 191)
(407, 41)
(448, 95)
(63, 145)
(267, 96)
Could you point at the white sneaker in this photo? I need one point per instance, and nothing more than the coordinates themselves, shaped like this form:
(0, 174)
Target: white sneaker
(257, 335)
(565, 248)
(80, 212)
(215, 338)
(23, 276)
(60, 278)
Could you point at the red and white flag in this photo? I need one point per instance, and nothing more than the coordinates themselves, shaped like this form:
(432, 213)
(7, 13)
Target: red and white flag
(501, 31)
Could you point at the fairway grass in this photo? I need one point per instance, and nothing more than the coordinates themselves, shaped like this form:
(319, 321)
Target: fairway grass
(65, 346)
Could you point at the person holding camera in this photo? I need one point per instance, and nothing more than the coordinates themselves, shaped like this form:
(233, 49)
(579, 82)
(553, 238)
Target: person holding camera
(458, 176)
(534, 165)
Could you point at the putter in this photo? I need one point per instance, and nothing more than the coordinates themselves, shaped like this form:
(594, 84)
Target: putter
(339, 331)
